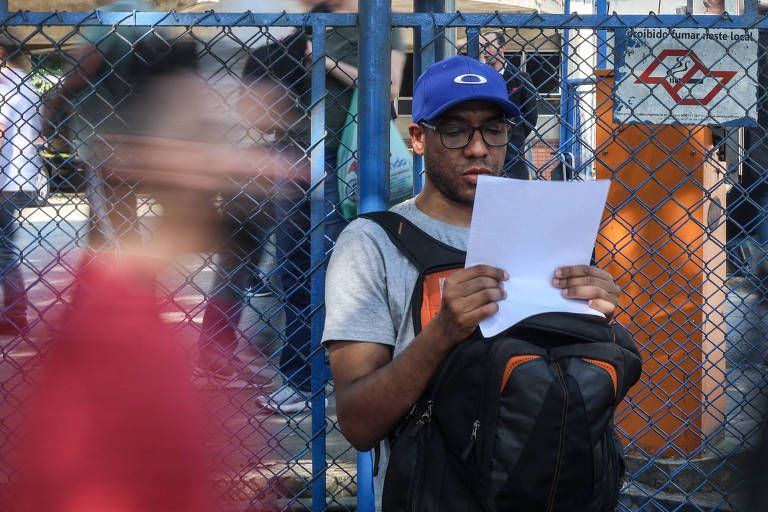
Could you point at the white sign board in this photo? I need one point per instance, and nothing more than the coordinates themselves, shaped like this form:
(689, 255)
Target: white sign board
(686, 76)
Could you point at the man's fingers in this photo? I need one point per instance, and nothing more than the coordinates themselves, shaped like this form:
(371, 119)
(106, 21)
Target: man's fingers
(481, 313)
(573, 282)
(585, 282)
(591, 284)
(467, 288)
(462, 305)
(476, 315)
(481, 271)
(589, 293)
(605, 307)
(576, 271)
(481, 298)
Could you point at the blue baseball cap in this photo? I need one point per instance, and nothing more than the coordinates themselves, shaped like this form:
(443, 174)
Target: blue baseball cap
(455, 80)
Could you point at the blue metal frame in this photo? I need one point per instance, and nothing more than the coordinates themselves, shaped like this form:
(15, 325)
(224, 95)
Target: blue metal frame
(317, 263)
(373, 153)
(566, 132)
(373, 109)
(413, 20)
(602, 43)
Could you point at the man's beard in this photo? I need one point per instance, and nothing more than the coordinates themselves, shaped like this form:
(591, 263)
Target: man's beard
(445, 177)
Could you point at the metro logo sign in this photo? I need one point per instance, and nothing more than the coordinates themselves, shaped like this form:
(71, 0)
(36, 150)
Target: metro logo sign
(673, 85)
(690, 76)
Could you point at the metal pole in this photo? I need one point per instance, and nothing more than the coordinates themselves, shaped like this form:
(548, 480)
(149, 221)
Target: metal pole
(375, 21)
(449, 43)
(750, 8)
(427, 49)
(433, 6)
(602, 45)
(423, 57)
(565, 103)
(317, 260)
(473, 42)
(3, 7)
(373, 108)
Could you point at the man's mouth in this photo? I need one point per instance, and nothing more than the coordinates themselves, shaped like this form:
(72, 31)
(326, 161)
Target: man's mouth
(470, 176)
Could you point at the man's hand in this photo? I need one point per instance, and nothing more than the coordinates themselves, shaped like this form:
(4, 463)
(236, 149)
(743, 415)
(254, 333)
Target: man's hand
(591, 284)
(470, 295)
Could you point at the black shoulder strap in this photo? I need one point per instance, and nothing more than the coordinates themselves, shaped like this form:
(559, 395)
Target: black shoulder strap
(421, 249)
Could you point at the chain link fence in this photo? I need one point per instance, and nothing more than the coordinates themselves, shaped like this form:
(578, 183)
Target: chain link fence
(685, 231)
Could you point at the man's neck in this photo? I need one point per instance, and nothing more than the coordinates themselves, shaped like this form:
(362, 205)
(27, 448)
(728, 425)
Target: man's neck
(439, 207)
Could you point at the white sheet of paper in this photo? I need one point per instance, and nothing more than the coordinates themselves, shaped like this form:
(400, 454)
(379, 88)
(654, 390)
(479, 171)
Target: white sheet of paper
(529, 228)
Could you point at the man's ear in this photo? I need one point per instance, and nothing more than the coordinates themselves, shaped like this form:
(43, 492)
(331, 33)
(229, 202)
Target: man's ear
(417, 138)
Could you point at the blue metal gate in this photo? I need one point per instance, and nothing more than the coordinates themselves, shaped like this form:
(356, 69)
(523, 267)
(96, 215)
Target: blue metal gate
(686, 429)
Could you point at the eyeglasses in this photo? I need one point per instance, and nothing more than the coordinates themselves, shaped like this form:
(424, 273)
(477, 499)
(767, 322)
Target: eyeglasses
(457, 136)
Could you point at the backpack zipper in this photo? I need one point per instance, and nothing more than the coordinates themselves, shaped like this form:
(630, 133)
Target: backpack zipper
(426, 416)
(472, 439)
(416, 489)
(558, 462)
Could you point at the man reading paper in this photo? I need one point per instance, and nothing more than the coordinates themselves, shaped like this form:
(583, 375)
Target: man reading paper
(380, 369)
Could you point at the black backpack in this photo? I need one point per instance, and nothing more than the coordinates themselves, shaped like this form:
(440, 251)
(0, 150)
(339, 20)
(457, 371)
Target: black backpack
(519, 422)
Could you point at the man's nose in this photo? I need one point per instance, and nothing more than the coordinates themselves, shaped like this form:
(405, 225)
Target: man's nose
(477, 146)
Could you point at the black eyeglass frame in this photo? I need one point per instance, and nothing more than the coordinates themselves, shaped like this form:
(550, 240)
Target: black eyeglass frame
(474, 129)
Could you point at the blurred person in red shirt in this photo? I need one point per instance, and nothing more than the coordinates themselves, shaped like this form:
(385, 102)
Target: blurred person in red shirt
(114, 423)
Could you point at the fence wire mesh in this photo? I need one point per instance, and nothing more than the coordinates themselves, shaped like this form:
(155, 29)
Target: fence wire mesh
(685, 232)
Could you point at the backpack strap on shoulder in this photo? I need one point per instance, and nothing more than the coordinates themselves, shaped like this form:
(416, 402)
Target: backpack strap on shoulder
(421, 249)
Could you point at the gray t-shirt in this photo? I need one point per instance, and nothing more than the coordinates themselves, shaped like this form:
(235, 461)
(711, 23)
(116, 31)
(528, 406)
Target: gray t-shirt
(369, 285)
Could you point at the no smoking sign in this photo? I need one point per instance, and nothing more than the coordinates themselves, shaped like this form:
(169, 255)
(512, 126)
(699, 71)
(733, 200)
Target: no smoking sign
(686, 76)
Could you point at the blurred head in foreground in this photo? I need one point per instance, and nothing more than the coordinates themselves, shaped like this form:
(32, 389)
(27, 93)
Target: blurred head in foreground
(177, 147)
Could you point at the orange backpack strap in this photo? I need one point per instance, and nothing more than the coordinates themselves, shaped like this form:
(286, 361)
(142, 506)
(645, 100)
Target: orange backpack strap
(433, 259)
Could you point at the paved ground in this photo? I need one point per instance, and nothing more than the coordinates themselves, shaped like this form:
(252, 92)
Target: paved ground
(53, 238)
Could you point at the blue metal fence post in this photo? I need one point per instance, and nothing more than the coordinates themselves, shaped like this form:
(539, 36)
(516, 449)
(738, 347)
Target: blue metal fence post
(566, 132)
(473, 42)
(428, 48)
(424, 55)
(602, 44)
(373, 107)
(750, 8)
(317, 260)
(3, 7)
(374, 80)
(433, 6)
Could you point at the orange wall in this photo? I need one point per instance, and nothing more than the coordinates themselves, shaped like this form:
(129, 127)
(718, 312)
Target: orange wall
(671, 267)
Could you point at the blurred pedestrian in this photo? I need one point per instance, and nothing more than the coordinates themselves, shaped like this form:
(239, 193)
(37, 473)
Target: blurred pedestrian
(521, 92)
(246, 79)
(294, 252)
(20, 179)
(109, 60)
(114, 422)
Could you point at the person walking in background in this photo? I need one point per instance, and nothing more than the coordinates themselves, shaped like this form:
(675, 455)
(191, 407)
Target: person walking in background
(522, 93)
(114, 423)
(341, 65)
(20, 178)
(87, 101)
(245, 71)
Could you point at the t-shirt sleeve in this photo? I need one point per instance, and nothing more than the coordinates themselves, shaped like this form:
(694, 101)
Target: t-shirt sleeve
(356, 300)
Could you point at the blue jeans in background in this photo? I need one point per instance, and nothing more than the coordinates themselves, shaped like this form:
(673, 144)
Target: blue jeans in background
(294, 253)
(11, 281)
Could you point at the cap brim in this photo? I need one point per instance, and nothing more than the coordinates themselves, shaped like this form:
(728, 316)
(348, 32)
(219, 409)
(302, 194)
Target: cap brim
(507, 106)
